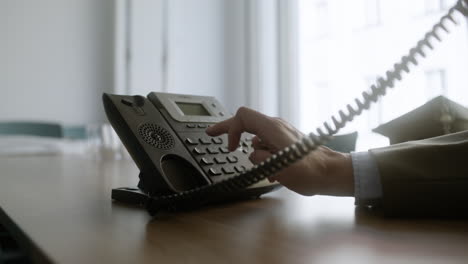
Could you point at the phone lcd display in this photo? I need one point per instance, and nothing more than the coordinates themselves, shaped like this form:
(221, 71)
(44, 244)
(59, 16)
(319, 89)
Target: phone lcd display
(193, 109)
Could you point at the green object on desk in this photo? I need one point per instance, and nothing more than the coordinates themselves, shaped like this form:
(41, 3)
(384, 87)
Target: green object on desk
(74, 132)
(31, 128)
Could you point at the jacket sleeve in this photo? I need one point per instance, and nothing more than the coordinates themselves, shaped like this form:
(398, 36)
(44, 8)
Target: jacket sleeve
(426, 177)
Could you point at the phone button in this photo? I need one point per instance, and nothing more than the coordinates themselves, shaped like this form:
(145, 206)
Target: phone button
(190, 125)
(205, 141)
(191, 141)
(219, 160)
(227, 170)
(239, 168)
(214, 172)
(201, 126)
(217, 140)
(198, 151)
(205, 161)
(224, 150)
(212, 150)
(232, 159)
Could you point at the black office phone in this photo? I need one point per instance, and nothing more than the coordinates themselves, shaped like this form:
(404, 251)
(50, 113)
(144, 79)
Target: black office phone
(182, 168)
(165, 135)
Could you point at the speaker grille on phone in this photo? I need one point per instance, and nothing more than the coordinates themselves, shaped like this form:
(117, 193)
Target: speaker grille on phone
(156, 136)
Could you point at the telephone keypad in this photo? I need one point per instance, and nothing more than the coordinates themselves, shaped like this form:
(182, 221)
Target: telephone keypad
(213, 155)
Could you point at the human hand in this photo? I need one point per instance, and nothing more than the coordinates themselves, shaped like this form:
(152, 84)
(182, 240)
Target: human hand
(323, 171)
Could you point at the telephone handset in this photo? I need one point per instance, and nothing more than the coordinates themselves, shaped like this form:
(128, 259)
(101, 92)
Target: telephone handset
(171, 179)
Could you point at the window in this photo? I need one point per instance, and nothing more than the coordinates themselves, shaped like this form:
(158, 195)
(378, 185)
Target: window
(446, 4)
(374, 117)
(318, 19)
(366, 13)
(335, 70)
(372, 12)
(435, 83)
(434, 6)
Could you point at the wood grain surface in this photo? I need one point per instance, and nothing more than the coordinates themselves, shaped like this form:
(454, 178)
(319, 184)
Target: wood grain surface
(63, 205)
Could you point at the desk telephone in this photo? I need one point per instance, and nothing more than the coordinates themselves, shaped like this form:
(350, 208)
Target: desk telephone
(182, 168)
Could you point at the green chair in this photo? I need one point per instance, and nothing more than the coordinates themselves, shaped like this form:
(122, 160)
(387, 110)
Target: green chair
(343, 143)
(42, 129)
(74, 132)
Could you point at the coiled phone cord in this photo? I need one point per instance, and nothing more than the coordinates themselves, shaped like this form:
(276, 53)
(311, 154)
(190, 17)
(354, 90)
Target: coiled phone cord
(301, 148)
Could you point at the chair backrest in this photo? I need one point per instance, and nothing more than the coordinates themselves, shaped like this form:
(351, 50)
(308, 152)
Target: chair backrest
(343, 143)
(31, 128)
(74, 132)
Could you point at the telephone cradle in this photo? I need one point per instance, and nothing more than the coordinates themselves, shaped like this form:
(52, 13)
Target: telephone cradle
(181, 168)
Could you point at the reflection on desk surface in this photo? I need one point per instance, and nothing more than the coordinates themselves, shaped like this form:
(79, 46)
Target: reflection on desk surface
(62, 203)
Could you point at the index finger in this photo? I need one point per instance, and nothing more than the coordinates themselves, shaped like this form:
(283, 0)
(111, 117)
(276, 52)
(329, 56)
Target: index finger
(245, 120)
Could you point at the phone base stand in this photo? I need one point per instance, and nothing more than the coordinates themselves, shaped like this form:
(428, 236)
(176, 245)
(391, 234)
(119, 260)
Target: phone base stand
(137, 196)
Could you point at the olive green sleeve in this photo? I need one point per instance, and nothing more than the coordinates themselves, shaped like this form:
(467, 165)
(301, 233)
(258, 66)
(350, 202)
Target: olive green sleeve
(426, 177)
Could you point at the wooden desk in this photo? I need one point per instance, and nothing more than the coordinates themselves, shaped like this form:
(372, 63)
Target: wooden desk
(62, 204)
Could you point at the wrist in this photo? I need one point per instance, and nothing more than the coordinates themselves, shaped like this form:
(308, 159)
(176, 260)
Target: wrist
(339, 174)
